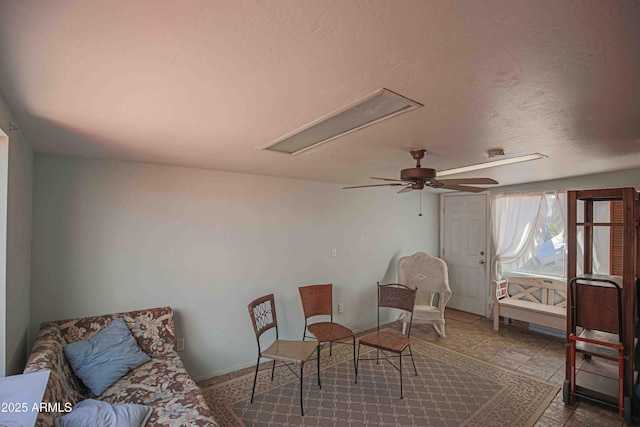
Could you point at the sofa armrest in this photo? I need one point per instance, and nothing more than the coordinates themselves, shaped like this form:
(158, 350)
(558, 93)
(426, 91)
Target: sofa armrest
(153, 328)
(63, 388)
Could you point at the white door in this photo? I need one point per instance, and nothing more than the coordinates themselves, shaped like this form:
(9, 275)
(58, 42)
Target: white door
(464, 246)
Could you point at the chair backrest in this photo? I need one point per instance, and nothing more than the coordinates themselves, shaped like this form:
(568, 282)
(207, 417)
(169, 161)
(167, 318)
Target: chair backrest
(316, 300)
(395, 295)
(427, 273)
(263, 315)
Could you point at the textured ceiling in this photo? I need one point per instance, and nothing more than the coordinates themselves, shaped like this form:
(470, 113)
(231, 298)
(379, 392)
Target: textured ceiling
(203, 83)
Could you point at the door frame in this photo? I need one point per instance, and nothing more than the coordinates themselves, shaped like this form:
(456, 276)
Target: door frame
(489, 263)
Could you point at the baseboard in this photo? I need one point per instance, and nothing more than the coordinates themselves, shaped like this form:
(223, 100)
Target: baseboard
(547, 330)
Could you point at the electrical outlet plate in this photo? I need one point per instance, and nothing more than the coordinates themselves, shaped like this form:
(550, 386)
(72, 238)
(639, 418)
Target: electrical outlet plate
(180, 344)
(341, 308)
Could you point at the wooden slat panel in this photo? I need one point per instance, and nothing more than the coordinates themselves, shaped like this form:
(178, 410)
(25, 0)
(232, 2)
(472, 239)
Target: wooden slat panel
(615, 252)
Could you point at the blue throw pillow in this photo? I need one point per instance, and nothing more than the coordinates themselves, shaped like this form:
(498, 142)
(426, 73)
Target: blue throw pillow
(105, 357)
(90, 413)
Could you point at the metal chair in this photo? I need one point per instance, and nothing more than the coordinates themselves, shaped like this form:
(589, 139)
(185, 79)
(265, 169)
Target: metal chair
(388, 341)
(430, 276)
(317, 300)
(263, 317)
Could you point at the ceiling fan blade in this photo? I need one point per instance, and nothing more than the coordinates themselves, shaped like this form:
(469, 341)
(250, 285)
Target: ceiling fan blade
(466, 188)
(386, 179)
(371, 185)
(405, 189)
(466, 181)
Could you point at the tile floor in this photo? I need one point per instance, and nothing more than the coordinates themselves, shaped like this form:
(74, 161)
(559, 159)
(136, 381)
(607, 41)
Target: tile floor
(531, 353)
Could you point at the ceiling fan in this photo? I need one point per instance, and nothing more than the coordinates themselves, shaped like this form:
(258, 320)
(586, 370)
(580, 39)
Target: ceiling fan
(417, 178)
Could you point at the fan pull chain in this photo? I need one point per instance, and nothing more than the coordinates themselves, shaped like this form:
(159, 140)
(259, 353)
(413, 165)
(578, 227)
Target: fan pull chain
(420, 214)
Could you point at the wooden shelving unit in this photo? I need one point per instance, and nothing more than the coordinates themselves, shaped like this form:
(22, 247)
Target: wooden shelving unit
(602, 314)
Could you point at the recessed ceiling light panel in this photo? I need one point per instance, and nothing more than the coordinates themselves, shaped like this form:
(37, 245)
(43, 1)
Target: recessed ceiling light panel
(490, 164)
(381, 105)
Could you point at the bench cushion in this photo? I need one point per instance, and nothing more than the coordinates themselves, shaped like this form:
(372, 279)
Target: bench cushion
(534, 306)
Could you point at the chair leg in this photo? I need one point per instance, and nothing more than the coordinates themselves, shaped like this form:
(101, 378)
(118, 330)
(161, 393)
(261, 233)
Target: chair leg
(330, 348)
(401, 394)
(301, 391)
(413, 361)
(439, 330)
(273, 368)
(355, 363)
(255, 378)
(318, 349)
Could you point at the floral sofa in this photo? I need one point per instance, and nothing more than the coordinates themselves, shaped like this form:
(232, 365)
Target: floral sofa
(162, 383)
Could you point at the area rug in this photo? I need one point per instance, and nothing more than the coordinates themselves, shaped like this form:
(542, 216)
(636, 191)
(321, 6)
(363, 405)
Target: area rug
(451, 389)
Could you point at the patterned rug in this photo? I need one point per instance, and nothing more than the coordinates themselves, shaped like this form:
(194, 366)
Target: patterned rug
(451, 389)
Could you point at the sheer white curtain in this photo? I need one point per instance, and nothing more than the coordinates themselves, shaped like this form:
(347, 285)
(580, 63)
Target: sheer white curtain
(561, 201)
(513, 220)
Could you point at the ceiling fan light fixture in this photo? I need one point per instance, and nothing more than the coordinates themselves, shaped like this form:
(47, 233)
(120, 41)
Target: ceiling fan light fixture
(493, 163)
(374, 108)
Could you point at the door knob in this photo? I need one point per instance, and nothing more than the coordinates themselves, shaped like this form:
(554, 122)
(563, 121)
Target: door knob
(481, 261)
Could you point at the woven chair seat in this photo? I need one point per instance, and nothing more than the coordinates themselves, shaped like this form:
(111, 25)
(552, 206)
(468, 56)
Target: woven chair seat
(290, 351)
(427, 314)
(386, 340)
(329, 331)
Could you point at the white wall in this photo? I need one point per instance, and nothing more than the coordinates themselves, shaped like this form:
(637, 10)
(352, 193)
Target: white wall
(112, 236)
(15, 296)
(4, 184)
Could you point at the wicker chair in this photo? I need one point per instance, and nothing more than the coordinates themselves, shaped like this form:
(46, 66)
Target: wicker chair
(388, 341)
(263, 317)
(428, 274)
(317, 300)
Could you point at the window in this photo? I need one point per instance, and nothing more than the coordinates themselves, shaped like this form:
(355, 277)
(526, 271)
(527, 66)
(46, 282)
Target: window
(606, 237)
(529, 234)
(546, 254)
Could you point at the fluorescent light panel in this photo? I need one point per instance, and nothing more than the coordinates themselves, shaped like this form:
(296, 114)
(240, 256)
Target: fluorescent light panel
(381, 105)
(500, 162)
